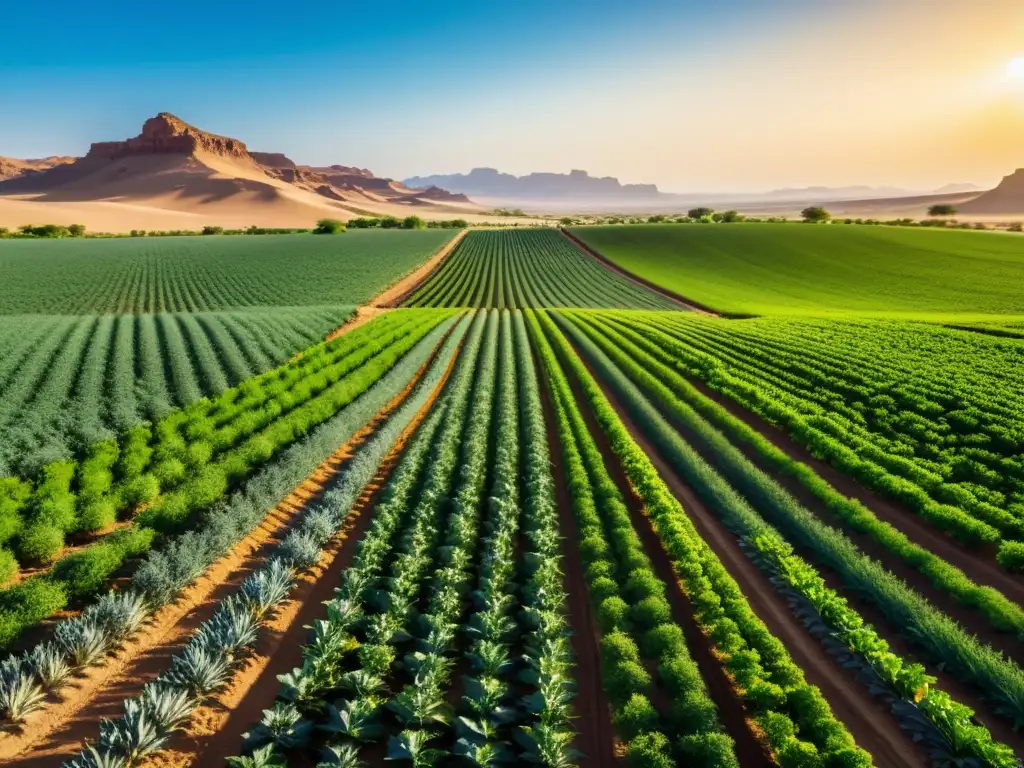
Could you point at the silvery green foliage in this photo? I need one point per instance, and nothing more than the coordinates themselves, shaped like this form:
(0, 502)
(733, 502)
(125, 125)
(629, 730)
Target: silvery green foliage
(322, 523)
(264, 757)
(233, 628)
(270, 586)
(20, 692)
(119, 614)
(84, 641)
(199, 669)
(49, 664)
(91, 757)
(301, 548)
(340, 756)
(169, 705)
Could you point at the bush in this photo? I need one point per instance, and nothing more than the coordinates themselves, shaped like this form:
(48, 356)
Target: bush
(711, 749)
(97, 515)
(635, 716)
(86, 572)
(650, 750)
(27, 603)
(142, 489)
(642, 583)
(650, 612)
(8, 565)
(413, 222)
(329, 227)
(942, 209)
(39, 543)
(1011, 555)
(664, 640)
(617, 647)
(624, 679)
(815, 215)
(612, 613)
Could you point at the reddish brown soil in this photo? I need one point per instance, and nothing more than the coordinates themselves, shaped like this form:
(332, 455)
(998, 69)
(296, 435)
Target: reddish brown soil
(215, 732)
(360, 317)
(688, 304)
(595, 737)
(867, 718)
(56, 733)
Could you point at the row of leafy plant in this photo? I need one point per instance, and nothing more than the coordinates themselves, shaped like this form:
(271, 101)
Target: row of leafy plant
(961, 654)
(84, 573)
(652, 367)
(527, 268)
(629, 601)
(952, 455)
(797, 722)
(87, 640)
(207, 663)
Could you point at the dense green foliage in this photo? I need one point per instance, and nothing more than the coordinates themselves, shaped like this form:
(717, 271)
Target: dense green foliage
(800, 269)
(931, 417)
(188, 461)
(747, 500)
(650, 363)
(69, 381)
(527, 268)
(191, 274)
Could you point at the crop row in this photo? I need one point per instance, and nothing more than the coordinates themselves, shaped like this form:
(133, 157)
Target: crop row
(382, 663)
(528, 268)
(196, 274)
(299, 396)
(913, 425)
(87, 640)
(732, 487)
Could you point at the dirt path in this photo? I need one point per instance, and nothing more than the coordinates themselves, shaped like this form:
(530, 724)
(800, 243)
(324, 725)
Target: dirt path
(394, 295)
(688, 304)
(360, 317)
(57, 733)
(595, 736)
(215, 732)
(867, 718)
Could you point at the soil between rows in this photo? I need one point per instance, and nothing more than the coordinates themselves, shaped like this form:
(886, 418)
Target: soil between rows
(867, 718)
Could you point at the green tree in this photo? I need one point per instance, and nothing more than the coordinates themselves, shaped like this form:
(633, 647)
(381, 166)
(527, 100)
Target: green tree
(413, 222)
(942, 209)
(390, 222)
(815, 214)
(700, 213)
(329, 227)
(210, 230)
(76, 230)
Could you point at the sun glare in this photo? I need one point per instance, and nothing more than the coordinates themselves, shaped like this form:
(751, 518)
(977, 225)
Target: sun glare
(1016, 67)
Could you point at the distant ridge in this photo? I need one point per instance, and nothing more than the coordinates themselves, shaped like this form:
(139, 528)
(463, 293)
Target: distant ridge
(575, 185)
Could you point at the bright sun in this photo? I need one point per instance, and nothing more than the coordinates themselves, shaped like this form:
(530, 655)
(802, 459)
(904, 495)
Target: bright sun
(1016, 67)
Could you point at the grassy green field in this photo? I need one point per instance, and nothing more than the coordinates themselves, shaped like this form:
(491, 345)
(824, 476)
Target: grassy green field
(926, 274)
(191, 274)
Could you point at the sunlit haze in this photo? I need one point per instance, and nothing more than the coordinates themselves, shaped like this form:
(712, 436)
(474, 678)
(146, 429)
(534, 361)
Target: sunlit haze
(750, 95)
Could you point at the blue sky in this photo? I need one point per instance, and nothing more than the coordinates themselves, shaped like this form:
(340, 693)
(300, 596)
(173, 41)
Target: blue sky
(663, 91)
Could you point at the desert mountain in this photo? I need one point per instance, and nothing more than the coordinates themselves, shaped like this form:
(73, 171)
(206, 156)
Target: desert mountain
(174, 166)
(13, 168)
(1006, 199)
(576, 185)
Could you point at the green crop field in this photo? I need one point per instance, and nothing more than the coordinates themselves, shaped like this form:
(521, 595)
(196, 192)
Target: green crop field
(528, 268)
(802, 269)
(190, 274)
(555, 520)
